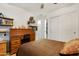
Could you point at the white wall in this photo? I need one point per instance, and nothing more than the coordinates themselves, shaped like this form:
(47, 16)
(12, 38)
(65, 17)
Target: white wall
(19, 15)
(63, 23)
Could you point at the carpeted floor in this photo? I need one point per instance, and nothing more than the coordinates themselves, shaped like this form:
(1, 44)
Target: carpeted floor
(3, 54)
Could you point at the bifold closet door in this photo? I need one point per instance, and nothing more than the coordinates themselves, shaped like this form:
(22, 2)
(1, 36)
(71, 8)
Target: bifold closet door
(64, 27)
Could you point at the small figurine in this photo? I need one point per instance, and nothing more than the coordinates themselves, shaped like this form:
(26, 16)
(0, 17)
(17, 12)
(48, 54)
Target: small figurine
(31, 20)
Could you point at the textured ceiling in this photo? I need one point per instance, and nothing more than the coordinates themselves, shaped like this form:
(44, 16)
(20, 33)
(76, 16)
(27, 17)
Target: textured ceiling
(36, 7)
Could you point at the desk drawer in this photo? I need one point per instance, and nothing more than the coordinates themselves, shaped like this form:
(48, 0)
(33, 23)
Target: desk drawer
(3, 47)
(15, 41)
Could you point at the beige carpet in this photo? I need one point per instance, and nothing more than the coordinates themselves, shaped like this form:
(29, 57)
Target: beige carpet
(4, 54)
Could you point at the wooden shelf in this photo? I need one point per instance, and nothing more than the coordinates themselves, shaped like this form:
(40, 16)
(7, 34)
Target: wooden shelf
(6, 25)
(3, 31)
(6, 21)
(6, 18)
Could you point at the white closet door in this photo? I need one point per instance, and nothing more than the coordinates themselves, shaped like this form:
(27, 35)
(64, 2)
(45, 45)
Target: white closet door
(64, 27)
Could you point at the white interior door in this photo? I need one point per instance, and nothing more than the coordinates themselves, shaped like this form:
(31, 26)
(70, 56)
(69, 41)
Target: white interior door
(41, 32)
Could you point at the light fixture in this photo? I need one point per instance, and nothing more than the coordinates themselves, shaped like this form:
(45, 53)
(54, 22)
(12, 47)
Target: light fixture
(39, 22)
(42, 6)
(54, 3)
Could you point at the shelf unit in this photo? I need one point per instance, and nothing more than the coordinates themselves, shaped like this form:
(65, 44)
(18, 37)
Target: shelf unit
(6, 21)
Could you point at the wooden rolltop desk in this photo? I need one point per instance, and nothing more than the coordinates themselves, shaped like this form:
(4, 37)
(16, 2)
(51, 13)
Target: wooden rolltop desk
(16, 36)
